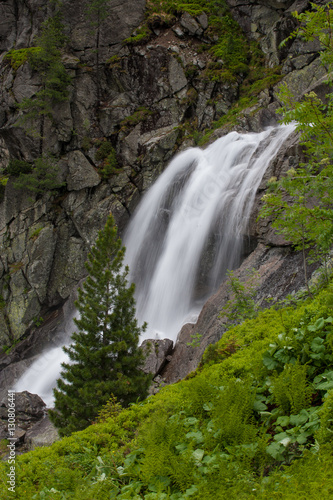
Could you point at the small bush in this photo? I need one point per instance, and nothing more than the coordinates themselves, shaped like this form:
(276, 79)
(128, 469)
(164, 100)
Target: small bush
(42, 177)
(107, 155)
(103, 151)
(18, 167)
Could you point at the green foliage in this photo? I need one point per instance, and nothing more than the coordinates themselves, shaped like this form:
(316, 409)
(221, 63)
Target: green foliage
(196, 340)
(262, 399)
(241, 306)
(107, 155)
(38, 320)
(290, 388)
(17, 167)
(140, 35)
(46, 60)
(140, 115)
(18, 57)
(104, 356)
(110, 409)
(104, 150)
(3, 183)
(43, 175)
(325, 432)
(225, 432)
(300, 203)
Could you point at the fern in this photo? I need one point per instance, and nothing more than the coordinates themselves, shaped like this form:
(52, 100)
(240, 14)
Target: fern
(291, 389)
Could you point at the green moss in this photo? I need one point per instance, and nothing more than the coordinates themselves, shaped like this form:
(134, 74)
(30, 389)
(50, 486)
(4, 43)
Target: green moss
(17, 57)
(141, 35)
(141, 114)
(34, 235)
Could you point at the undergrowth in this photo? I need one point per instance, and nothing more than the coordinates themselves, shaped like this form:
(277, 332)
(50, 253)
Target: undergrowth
(261, 398)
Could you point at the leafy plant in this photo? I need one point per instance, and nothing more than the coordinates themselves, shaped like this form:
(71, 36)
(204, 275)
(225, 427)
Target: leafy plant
(110, 409)
(16, 167)
(300, 203)
(242, 304)
(196, 340)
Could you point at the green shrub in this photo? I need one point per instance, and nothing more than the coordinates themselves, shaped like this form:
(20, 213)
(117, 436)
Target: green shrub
(17, 167)
(107, 155)
(42, 177)
(103, 151)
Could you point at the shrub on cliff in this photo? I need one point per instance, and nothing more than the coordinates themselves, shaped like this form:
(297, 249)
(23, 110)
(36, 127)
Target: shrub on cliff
(104, 357)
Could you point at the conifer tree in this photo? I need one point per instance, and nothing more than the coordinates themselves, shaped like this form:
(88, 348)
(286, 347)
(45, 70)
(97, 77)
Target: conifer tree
(46, 60)
(97, 12)
(104, 357)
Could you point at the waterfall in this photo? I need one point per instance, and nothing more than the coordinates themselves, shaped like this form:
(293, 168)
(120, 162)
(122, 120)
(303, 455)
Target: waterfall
(187, 231)
(40, 378)
(189, 227)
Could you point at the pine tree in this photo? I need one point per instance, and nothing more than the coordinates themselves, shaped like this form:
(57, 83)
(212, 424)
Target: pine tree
(104, 357)
(97, 12)
(47, 61)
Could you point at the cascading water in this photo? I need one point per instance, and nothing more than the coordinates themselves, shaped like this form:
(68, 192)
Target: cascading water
(187, 231)
(40, 378)
(191, 222)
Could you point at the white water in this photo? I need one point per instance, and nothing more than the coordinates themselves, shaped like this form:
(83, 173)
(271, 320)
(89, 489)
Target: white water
(40, 378)
(199, 206)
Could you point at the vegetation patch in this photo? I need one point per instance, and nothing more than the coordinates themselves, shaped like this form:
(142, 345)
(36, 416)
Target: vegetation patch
(106, 154)
(140, 115)
(17, 57)
(261, 398)
(38, 177)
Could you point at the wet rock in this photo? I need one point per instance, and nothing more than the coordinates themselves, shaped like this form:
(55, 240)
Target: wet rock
(81, 174)
(41, 254)
(28, 408)
(178, 31)
(280, 272)
(157, 351)
(43, 433)
(190, 24)
(177, 78)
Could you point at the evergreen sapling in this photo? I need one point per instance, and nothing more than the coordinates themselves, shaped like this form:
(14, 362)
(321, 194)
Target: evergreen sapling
(104, 357)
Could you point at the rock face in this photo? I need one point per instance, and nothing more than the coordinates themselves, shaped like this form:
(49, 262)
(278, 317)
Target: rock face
(138, 100)
(32, 425)
(280, 273)
(157, 352)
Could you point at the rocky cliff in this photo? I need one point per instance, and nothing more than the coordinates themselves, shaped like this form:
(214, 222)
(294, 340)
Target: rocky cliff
(143, 100)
